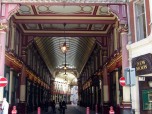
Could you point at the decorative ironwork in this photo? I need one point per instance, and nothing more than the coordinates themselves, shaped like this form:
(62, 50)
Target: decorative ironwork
(123, 28)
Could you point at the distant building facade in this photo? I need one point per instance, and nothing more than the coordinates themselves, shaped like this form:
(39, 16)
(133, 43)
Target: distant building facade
(74, 95)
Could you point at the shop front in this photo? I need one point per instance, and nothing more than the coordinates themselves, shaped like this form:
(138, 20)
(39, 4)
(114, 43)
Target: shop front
(143, 66)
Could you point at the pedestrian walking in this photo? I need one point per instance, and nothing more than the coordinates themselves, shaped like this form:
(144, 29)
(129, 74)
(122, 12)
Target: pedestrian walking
(53, 106)
(64, 106)
(50, 106)
(60, 106)
(5, 106)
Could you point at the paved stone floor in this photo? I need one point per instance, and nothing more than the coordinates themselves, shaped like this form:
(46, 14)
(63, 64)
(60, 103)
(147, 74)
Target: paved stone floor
(71, 109)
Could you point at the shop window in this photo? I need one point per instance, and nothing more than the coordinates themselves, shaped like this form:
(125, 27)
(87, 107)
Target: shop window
(140, 20)
(113, 97)
(120, 87)
(15, 83)
(32, 58)
(7, 39)
(27, 91)
(119, 42)
(28, 56)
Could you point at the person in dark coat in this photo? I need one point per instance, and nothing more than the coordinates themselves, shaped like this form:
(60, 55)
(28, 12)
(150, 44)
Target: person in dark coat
(60, 106)
(64, 106)
(53, 106)
(50, 106)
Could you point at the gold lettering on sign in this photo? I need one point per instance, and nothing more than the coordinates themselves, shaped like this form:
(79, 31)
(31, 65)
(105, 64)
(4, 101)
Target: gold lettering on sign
(141, 65)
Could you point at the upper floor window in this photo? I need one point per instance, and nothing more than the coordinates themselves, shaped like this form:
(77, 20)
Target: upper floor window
(140, 20)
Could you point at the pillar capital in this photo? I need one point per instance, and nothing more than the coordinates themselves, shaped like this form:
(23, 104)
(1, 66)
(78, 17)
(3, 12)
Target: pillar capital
(7, 10)
(11, 69)
(3, 26)
(123, 28)
(116, 25)
(13, 25)
(116, 70)
(120, 11)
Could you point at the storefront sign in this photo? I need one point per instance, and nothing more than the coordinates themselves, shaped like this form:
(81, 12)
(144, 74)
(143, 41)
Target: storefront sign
(142, 64)
(141, 78)
(147, 99)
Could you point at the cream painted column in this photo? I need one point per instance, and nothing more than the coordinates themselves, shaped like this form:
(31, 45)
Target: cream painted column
(125, 61)
(115, 31)
(13, 27)
(23, 85)
(104, 57)
(2, 53)
(135, 97)
(10, 85)
(117, 87)
(105, 86)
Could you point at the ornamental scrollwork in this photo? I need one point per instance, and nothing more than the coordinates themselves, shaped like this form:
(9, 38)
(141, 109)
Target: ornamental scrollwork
(123, 28)
(3, 26)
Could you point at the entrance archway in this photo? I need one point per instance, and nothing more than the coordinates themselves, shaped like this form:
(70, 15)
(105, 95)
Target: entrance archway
(118, 12)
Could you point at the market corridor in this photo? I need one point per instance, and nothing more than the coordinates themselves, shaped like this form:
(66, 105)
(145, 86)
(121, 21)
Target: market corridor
(95, 53)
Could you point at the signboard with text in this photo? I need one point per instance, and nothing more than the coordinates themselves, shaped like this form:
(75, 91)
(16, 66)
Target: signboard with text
(142, 64)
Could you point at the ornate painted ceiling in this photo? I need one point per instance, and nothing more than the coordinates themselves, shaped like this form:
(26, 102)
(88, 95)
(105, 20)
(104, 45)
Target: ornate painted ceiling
(80, 23)
(65, 1)
(80, 20)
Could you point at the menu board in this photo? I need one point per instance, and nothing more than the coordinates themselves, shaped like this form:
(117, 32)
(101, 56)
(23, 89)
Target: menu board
(147, 99)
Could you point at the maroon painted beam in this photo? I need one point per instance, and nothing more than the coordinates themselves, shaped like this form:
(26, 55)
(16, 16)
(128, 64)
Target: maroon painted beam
(20, 21)
(63, 35)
